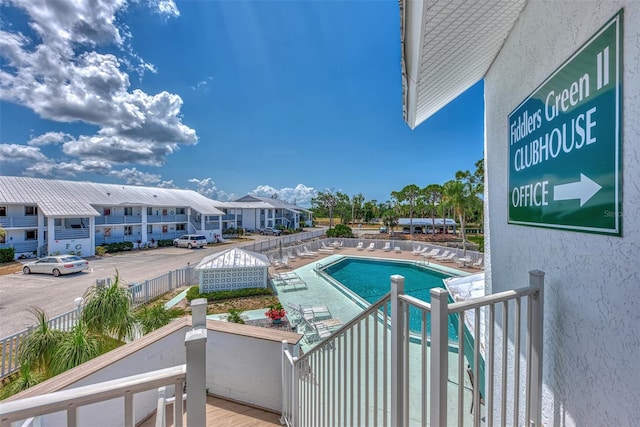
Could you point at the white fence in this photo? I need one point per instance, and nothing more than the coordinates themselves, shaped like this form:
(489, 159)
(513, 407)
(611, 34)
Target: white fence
(140, 293)
(375, 370)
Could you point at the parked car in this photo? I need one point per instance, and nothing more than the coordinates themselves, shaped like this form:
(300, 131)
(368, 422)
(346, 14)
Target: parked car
(57, 265)
(190, 241)
(270, 231)
(383, 229)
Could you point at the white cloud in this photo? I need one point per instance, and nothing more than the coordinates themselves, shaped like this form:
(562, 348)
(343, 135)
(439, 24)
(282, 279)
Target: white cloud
(59, 77)
(16, 153)
(300, 195)
(71, 169)
(207, 187)
(50, 138)
(136, 177)
(167, 184)
(166, 7)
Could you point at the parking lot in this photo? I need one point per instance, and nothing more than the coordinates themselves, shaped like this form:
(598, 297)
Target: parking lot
(55, 295)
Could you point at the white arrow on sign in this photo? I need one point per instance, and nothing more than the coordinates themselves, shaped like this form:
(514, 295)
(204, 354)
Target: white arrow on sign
(583, 190)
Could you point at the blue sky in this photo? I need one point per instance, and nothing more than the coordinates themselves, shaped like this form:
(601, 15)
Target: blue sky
(223, 97)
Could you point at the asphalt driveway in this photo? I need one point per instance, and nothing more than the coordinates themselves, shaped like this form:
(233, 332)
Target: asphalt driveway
(55, 295)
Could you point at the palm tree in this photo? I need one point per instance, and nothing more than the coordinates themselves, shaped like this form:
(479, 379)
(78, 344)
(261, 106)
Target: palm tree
(390, 219)
(152, 318)
(39, 347)
(459, 196)
(76, 347)
(29, 376)
(107, 310)
(327, 200)
(433, 194)
(410, 193)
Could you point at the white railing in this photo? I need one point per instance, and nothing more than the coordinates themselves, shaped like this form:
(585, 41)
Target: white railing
(140, 294)
(72, 399)
(380, 369)
(10, 345)
(190, 376)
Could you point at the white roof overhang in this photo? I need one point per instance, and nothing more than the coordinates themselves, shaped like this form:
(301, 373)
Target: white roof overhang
(447, 47)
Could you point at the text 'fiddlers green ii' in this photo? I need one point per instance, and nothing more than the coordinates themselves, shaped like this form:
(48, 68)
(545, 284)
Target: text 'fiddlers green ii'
(565, 143)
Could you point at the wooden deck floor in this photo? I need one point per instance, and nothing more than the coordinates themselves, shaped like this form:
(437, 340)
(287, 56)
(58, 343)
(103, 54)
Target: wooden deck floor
(224, 413)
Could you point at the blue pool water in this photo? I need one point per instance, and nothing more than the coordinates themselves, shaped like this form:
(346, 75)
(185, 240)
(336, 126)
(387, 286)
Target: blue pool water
(370, 280)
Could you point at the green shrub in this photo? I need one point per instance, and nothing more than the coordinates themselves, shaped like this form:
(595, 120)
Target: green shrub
(340, 230)
(7, 254)
(194, 292)
(478, 240)
(165, 242)
(119, 247)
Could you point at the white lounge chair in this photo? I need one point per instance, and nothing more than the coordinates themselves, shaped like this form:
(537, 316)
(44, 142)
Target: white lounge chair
(372, 246)
(449, 258)
(303, 254)
(398, 250)
(306, 249)
(477, 264)
(325, 248)
(430, 254)
(360, 246)
(387, 247)
(440, 257)
(311, 313)
(418, 250)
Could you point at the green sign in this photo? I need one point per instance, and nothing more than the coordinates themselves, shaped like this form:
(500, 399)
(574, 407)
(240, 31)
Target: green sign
(565, 143)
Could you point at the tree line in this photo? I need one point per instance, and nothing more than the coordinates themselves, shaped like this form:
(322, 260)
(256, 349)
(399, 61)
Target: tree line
(458, 198)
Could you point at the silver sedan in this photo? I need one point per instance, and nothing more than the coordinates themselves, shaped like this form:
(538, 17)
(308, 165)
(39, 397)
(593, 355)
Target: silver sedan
(57, 265)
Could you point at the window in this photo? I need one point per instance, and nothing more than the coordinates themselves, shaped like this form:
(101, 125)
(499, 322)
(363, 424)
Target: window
(181, 211)
(106, 212)
(128, 230)
(165, 228)
(128, 211)
(31, 235)
(261, 211)
(57, 222)
(3, 211)
(150, 229)
(30, 210)
(149, 211)
(181, 227)
(164, 211)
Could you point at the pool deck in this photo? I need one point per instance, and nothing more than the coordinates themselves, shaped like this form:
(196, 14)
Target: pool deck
(318, 291)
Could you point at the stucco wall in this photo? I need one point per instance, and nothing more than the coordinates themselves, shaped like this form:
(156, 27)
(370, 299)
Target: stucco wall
(592, 301)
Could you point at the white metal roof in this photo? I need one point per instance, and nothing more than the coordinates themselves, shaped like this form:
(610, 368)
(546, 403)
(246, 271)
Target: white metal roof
(448, 46)
(425, 221)
(76, 198)
(233, 258)
(251, 201)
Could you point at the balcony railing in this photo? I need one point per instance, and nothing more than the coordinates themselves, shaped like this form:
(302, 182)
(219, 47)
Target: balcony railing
(71, 233)
(18, 221)
(375, 370)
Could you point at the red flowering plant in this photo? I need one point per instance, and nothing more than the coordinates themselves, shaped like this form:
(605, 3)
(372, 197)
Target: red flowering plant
(275, 312)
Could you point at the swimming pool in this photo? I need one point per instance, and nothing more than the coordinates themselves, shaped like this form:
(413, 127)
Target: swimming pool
(370, 280)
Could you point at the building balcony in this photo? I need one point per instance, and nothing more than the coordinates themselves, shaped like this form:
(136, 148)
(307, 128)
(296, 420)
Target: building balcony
(18, 221)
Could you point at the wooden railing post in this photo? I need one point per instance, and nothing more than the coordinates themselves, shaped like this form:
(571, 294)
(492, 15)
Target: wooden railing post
(397, 352)
(439, 356)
